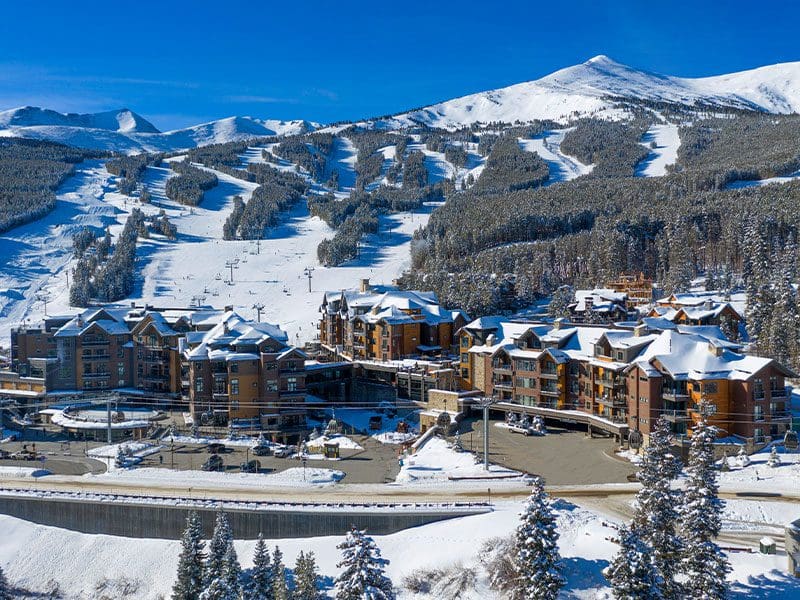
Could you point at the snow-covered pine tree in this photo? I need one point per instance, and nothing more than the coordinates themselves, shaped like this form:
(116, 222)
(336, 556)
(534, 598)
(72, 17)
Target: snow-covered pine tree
(362, 576)
(774, 460)
(262, 579)
(631, 573)
(121, 460)
(306, 577)
(704, 563)
(5, 587)
(228, 585)
(279, 588)
(191, 561)
(221, 540)
(656, 514)
(536, 549)
(741, 457)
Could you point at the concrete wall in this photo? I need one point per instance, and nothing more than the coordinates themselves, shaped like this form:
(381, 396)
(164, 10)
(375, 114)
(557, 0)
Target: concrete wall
(167, 522)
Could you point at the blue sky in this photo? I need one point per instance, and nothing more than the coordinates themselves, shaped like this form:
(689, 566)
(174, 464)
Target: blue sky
(180, 63)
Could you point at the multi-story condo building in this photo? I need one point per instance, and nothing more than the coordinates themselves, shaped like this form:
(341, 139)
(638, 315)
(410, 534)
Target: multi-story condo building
(246, 372)
(601, 306)
(626, 378)
(383, 323)
(637, 287)
(699, 309)
(224, 366)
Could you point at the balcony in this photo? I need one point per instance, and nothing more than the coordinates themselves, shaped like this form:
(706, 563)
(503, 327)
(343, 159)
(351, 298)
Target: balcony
(96, 375)
(549, 375)
(781, 415)
(220, 396)
(91, 357)
(550, 393)
(674, 396)
(95, 342)
(779, 392)
(675, 416)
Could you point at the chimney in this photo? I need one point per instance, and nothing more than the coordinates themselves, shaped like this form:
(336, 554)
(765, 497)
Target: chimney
(364, 287)
(708, 305)
(640, 330)
(229, 308)
(715, 349)
(558, 323)
(490, 339)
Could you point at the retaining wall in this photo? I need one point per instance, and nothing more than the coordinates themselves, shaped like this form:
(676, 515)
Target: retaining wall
(167, 521)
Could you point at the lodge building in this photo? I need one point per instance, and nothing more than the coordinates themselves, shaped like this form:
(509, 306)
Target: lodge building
(624, 379)
(383, 323)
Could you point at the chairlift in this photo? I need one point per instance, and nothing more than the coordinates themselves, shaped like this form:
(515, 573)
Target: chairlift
(635, 439)
(218, 277)
(790, 441)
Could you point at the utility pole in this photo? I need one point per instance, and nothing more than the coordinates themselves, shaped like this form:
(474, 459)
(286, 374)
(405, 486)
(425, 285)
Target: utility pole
(258, 246)
(108, 417)
(258, 307)
(485, 404)
(308, 272)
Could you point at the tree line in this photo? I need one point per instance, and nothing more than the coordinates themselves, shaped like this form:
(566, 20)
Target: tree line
(189, 186)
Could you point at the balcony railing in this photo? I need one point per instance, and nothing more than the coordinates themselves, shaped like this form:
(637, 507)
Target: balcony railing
(89, 357)
(675, 416)
(779, 392)
(674, 396)
(95, 342)
(95, 375)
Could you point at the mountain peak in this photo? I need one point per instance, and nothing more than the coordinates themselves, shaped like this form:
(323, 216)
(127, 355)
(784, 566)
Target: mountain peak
(601, 59)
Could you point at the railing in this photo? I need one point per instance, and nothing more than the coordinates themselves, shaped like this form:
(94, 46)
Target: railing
(676, 416)
(95, 375)
(779, 392)
(87, 357)
(549, 375)
(546, 392)
(675, 396)
(95, 342)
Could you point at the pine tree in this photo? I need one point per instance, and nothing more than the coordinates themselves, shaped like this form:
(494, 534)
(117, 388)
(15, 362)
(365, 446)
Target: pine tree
(631, 573)
(774, 460)
(262, 578)
(228, 585)
(362, 577)
(306, 578)
(704, 563)
(221, 541)
(279, 588)
(5, 587)
(536, 549)
(656, 514)
(190, 564)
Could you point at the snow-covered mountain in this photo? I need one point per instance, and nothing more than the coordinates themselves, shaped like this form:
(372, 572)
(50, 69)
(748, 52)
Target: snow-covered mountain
(125, 131)
(596, 86)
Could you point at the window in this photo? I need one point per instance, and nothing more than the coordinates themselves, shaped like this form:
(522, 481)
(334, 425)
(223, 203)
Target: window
(758, 434)
(464, 373)
(758, 389)
(758, 413)
(120, 369)
(234, 405)
(710, 387)
(291, 384)
(464, 357)
(198, 385)
(272, 385)
(234, 387)
(464, 341)
(233, 367)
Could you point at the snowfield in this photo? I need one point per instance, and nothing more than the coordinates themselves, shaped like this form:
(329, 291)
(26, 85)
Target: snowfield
(39, 254)
(31, 555)
(667, 141)
(291, 477)
(548, 147)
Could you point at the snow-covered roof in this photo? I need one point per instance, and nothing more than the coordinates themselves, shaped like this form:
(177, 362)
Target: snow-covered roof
(600, 299)
(390, 305)
(231, 337)
(694, 357)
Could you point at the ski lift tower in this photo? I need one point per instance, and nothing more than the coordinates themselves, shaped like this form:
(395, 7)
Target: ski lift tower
(485, 403)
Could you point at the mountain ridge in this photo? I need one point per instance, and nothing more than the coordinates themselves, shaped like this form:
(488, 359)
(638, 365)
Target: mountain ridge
(592, 88)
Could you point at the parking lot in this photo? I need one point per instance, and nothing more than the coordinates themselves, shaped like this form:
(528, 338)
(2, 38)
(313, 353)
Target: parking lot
(562, 457)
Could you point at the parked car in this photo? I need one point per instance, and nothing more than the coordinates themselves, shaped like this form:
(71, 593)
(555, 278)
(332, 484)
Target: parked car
(214, 463)
(215, 448)
(523, 429)
(4, 455)
(283, 452)
(252, 466)
(23, 455)
(262, 450)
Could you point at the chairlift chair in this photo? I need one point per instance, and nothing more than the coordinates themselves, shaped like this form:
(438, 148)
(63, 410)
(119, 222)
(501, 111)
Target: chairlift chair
(790, 441)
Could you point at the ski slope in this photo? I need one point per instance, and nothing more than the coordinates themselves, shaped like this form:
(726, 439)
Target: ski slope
(665, 154)
(192, 269)
(548, 147)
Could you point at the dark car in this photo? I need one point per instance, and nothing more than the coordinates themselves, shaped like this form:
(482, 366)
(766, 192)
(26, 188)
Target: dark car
(252, 466)
(262, 450)
(215, 448)
(214, 463)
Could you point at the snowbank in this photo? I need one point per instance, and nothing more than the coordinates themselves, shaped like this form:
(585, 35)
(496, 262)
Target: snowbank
(292, 477)
(344, 443)
(17, 472)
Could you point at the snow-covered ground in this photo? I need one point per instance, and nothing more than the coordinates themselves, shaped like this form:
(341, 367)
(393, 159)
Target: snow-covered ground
(344, 442)
(667, 140)
(437, 463)
(548, 147)
(759, 476)
(291, 477)
(761, 182)
(31, 555)
(192, 269)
